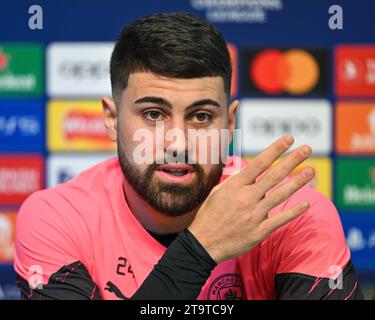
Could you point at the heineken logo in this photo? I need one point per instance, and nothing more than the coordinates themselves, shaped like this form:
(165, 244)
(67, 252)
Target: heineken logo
(21, 70)
(15, 83)
(355, 184)
(359, 195)
(3, 60)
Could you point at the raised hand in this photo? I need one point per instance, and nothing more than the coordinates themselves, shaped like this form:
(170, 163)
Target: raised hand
(234, 217)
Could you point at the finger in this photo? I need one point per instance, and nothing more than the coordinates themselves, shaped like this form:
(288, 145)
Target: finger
(282, 193)
(264, 160)
(282, 169)
(271, 224)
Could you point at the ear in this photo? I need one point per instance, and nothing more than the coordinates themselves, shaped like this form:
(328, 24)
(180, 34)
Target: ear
(110, 117)
(232, 109)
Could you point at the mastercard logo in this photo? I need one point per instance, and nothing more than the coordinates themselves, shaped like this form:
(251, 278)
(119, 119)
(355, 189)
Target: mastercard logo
(293, 71)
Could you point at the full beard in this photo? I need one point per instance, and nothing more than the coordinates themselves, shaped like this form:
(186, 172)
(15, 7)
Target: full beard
(170, 199)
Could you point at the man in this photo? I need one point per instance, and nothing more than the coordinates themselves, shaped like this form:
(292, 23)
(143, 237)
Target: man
(165, 229)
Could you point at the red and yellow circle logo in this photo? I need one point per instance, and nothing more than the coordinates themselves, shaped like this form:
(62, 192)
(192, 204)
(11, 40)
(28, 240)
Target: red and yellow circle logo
(293, 71)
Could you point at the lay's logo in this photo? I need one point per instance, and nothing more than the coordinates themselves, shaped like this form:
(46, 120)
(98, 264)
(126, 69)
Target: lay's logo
(77, 126)
(80, 125)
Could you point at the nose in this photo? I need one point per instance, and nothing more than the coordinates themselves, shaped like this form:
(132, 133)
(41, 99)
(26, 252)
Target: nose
(176, 140)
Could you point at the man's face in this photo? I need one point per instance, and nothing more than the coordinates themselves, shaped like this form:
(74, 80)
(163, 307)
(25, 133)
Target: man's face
(171, 111)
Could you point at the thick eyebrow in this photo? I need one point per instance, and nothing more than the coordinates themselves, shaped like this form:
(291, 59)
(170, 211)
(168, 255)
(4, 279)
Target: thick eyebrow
(204, 102)
(163, 102)
(156, 100)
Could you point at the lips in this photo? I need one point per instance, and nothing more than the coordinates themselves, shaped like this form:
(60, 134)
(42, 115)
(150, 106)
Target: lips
(175, 170)
(175, 173)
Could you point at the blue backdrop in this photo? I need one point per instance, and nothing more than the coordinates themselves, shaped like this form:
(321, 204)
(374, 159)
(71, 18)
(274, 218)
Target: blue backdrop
(297, 24)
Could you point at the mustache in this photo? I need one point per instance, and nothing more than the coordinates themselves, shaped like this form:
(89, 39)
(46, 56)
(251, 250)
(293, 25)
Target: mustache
(168, 158)
(154, 166)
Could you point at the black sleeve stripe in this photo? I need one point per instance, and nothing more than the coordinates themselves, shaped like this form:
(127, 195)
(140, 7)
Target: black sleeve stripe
(297, 286)
(72, 282)
(180, 274)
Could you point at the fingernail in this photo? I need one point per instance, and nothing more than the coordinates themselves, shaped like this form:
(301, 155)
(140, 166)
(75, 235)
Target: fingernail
(305, 204)
(305, 151)
(308, 173)
(288, 140)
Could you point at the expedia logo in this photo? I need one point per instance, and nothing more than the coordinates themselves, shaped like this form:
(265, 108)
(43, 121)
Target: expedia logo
(293, 71)
(84, 69)
(228, 286)
(280, 126)
(84, 125)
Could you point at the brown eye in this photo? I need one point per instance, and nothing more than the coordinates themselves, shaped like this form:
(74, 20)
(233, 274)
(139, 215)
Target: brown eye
(153, 115)
(202, 117)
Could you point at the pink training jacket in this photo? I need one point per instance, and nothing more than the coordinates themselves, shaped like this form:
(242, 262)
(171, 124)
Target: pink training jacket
(86, 222)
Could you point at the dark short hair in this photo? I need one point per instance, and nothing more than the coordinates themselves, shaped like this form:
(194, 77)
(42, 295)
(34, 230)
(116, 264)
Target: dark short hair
(176, 45)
